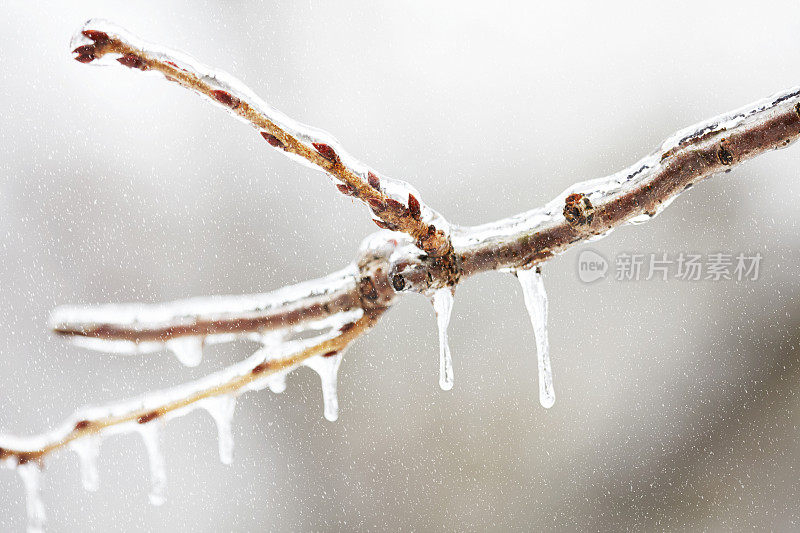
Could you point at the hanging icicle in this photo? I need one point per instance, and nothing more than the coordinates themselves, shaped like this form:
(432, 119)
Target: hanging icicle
(327, 366)
(536, 302)
(188, 350)
(30, 474)
(158, 473)
(442, 300)
(88, 449)
(221, 409)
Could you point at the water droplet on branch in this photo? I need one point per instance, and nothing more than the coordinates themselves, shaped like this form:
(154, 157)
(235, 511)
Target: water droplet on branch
(442, 300)
(536, 302)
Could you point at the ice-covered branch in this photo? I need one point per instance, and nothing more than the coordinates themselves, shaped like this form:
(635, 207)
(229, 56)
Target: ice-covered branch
(266, 365)
(312, 323)
(183, 327)
(395, 204)
(592, 209)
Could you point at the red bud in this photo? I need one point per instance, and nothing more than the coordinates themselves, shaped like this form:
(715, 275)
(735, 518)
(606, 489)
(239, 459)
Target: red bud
(132, 61)
(413, 207)
(98, 37)
(374, 181)
(327, 152)
(271, 139)
(225, 98)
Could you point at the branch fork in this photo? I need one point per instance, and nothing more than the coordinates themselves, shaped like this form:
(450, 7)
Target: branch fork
(416, 251)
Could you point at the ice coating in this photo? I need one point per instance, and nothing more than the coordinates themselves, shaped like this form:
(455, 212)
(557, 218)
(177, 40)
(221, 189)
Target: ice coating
(30, 474)
(536, 302)
(179, 399)
(277, 383)
(158, 472)
(200, 315)
(602, 190)
(220, 80)
(442, 300)
(188, 350)
(88, 450)
(327, 367)
(272, 340)
(221, 409)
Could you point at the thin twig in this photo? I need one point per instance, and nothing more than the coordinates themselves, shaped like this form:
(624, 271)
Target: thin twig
(131, 414)
(211, 316)
(592, 209)
(405, 213)
(586, 210)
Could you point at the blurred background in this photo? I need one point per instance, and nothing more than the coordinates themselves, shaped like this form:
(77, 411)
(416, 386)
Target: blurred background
(677, 402)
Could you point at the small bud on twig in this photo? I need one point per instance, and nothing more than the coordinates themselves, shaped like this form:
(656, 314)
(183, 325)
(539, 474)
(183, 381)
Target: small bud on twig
(346, 189)
(271, 139)
(327, 152)
(376, 204)
(99, 37)
(225, 98)
(374, 181)
(85, 53)
(413, 207)
(132, 61)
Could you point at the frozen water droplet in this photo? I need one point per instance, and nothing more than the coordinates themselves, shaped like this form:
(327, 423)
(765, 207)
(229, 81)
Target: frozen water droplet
(442, 300)
(188, 350)
(221, 409)
(277, 383)
(536, 302)
(30, 474)
(158, 473)
(328, 369)
(88, 449)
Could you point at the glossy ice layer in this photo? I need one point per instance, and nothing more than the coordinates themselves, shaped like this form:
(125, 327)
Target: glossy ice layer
(442, 300)
(468, 240)
(536, 303)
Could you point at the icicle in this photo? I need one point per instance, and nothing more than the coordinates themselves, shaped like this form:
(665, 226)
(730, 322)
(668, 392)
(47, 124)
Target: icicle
(158, 474)
(30, 474)
(536, 302)
(188, 349)
(221, 409)
(327, 366)
(88, 449)
(443, 305)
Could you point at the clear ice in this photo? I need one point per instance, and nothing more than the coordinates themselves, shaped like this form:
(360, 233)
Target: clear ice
(188, 349)
(88, 449)
(328, 370)
(158, 472)
(536, 302)
(221, 409)
(30, 475)
(442, 300)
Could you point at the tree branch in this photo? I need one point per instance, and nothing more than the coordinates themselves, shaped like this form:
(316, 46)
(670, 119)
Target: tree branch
(128, 416)
(395, 203)
(432, 258)
(140, 325)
